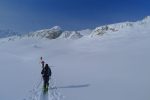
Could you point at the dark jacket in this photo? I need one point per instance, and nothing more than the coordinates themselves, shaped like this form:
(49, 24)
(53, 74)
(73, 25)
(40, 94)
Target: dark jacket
(46, 71)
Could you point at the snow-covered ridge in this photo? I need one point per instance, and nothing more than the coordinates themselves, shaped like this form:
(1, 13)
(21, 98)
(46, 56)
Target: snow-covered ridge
(111, 28)
(120, 27)
(57, 32)
(70, 35)
(52, 33)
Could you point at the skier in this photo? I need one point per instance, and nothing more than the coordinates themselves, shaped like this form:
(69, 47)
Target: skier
(46, 74)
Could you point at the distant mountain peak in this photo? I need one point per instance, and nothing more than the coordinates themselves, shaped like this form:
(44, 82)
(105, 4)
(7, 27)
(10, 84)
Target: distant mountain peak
(146, 20)
(56, 28)
(51, 33)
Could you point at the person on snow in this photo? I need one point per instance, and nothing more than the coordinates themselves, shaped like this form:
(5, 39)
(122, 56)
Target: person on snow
(46, 74)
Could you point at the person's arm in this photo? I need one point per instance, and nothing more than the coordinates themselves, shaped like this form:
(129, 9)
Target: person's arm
(50, 72)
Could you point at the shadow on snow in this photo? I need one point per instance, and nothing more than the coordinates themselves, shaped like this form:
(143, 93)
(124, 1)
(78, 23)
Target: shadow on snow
(71, 86)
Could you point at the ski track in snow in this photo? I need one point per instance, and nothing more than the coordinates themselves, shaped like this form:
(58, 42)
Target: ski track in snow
(52, 94)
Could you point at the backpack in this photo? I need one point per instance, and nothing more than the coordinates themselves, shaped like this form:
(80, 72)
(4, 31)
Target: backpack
(47, 72)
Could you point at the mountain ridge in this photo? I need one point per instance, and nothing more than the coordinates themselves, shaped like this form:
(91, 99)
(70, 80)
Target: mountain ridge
(57, 32)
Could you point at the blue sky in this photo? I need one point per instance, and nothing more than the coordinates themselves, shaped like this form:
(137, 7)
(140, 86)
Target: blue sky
(31, 15)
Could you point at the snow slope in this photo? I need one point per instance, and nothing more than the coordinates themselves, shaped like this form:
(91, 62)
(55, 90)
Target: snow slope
(113, 67)
(120, 27)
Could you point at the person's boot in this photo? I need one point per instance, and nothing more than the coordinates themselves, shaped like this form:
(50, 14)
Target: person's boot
(46, 87)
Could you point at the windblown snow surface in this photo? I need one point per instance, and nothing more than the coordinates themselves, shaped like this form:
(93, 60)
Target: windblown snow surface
(115, 66)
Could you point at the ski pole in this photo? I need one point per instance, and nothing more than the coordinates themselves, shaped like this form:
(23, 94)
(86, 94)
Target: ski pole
(39, 83)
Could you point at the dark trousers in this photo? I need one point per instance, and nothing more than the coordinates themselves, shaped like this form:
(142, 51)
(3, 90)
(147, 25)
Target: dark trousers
(46, 81)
